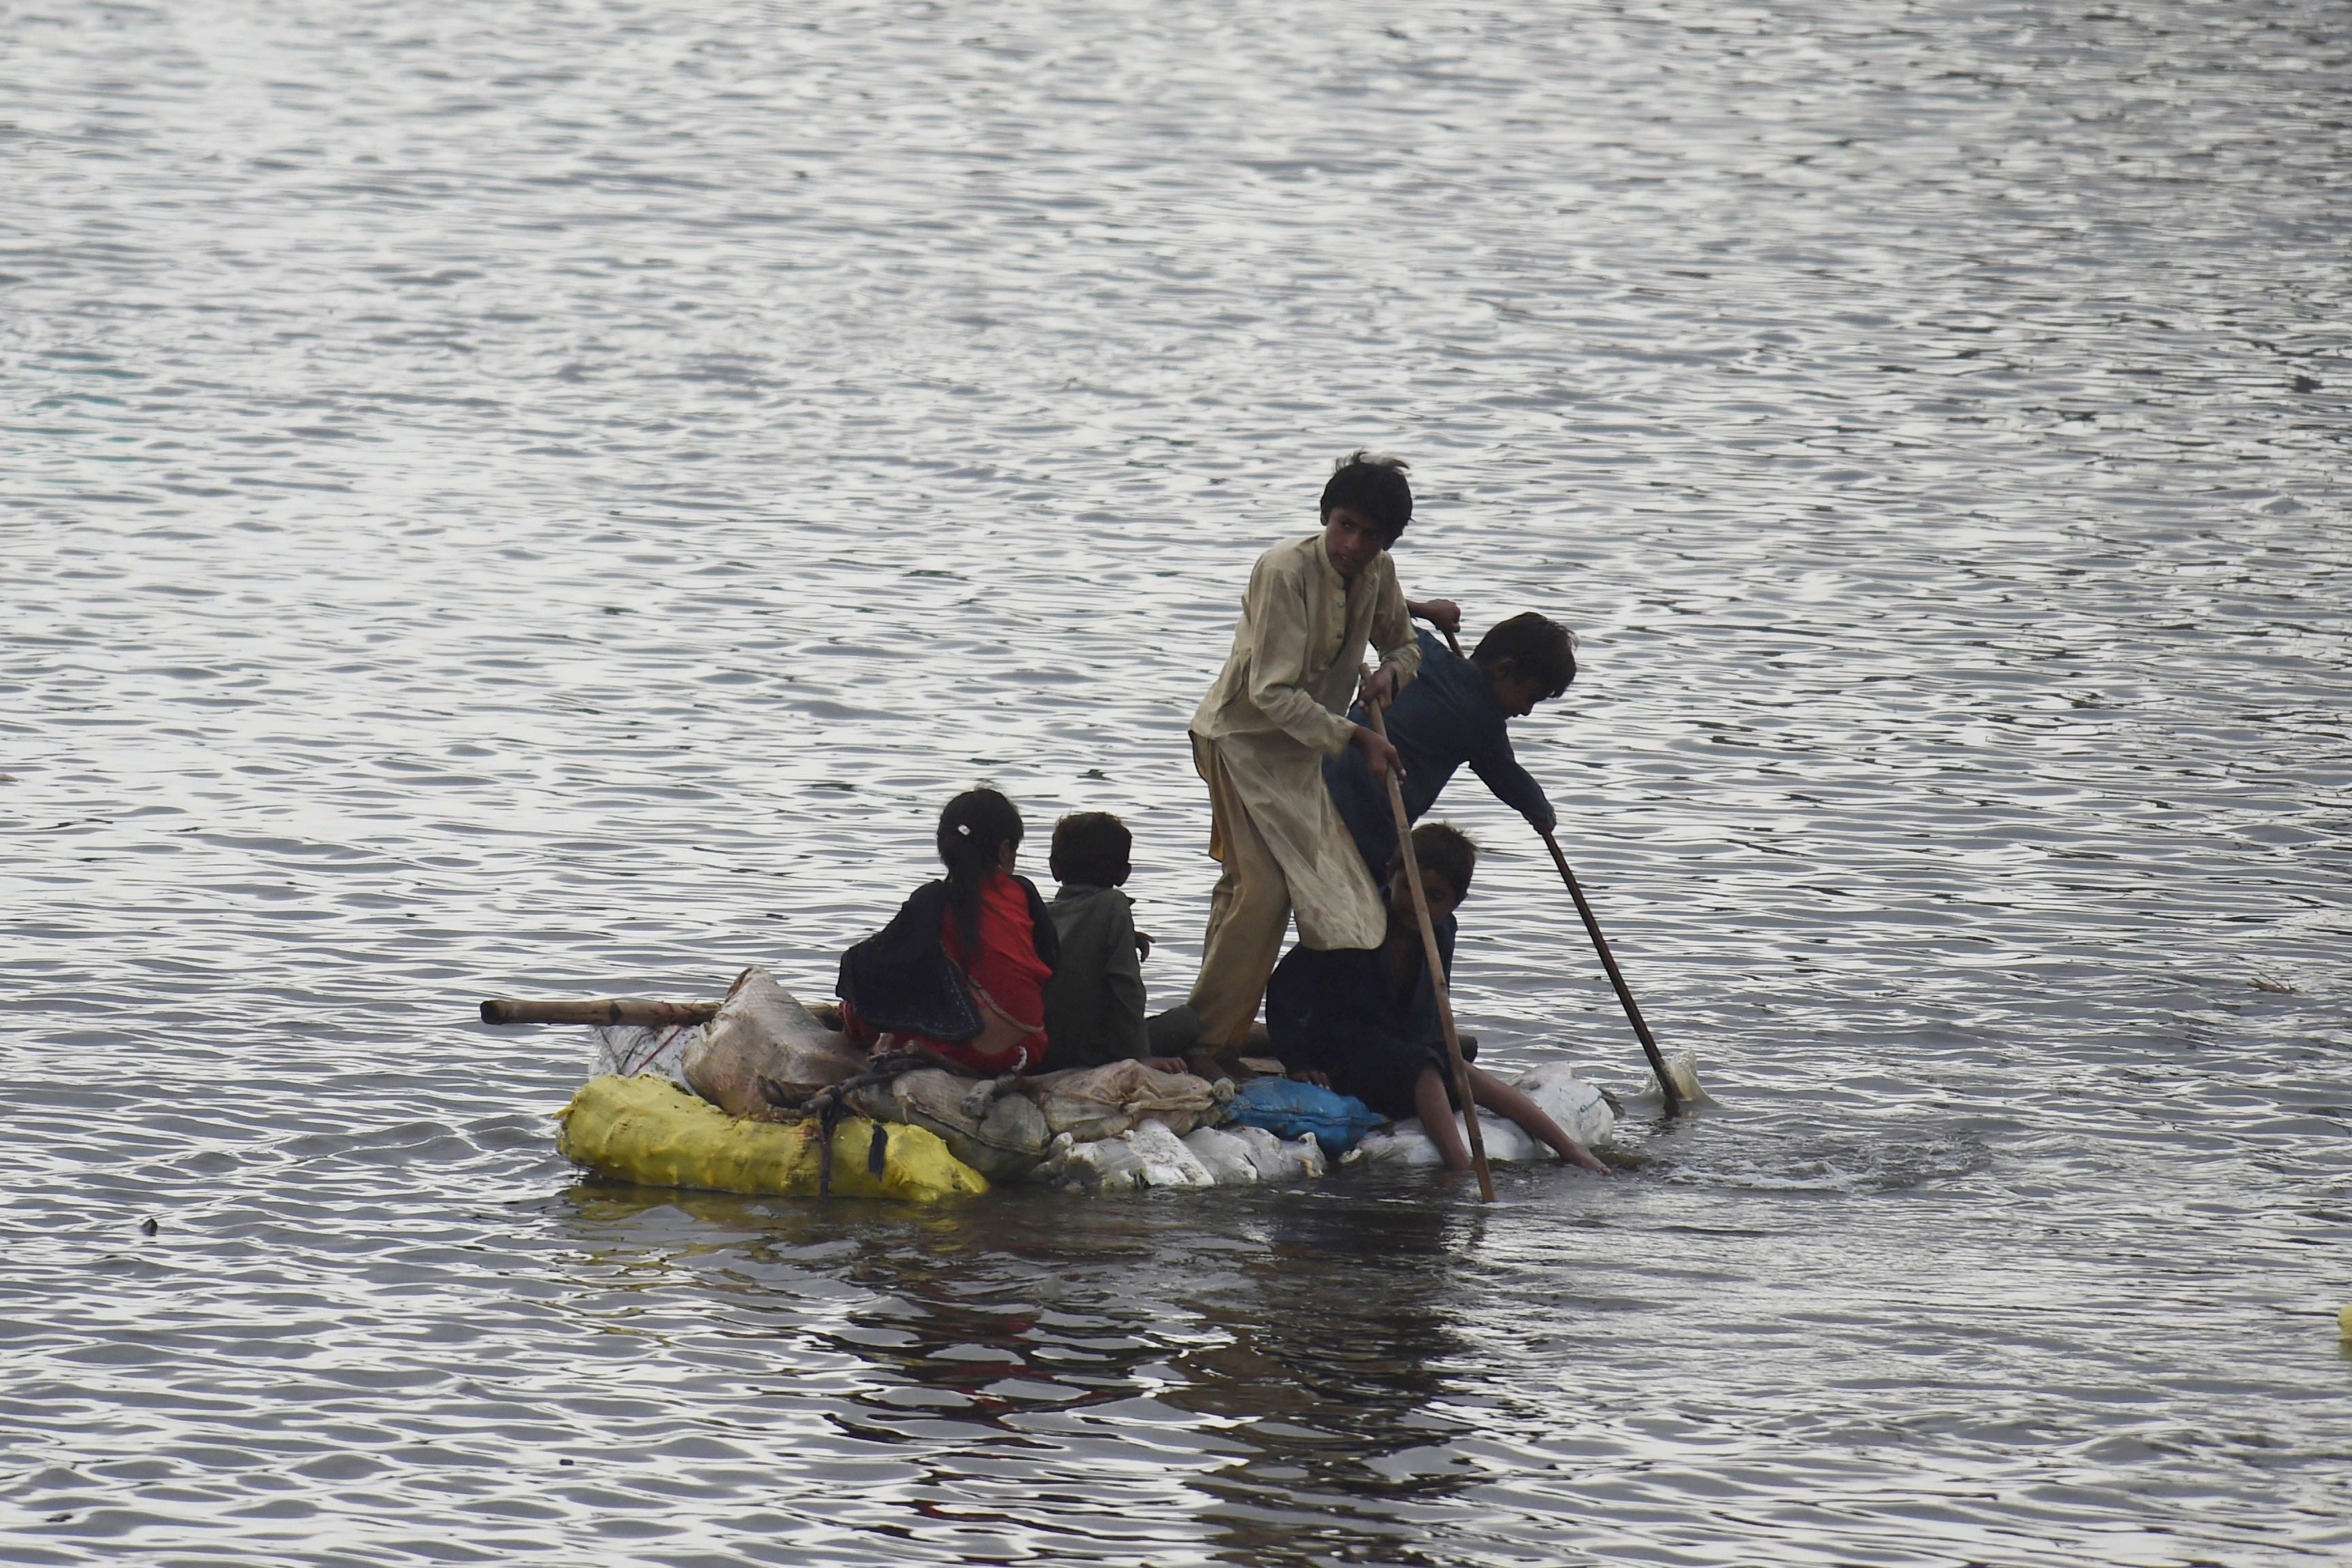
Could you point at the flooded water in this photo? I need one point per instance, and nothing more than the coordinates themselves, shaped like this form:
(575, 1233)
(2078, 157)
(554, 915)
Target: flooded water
(549, 498)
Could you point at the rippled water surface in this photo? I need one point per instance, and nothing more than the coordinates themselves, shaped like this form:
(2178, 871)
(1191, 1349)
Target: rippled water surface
(550, 498)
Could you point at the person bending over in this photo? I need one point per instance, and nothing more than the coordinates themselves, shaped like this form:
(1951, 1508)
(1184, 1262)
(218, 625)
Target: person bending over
(1367, 1021)
(1260, 735)
(960, 970)
(1456, 711)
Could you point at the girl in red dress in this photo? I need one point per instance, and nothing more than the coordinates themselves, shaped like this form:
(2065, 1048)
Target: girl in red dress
(960, 970)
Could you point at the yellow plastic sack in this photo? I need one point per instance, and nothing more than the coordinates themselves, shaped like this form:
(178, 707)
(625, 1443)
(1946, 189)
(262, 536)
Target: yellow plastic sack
(650, 1131)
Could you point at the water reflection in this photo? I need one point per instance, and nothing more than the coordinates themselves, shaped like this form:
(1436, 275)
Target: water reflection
(1333, 1366)
(1286, 1351)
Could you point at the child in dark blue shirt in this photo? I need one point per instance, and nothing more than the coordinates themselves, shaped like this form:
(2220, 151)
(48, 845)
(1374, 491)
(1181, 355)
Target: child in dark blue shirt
(1365, 1022)
(1455, 712)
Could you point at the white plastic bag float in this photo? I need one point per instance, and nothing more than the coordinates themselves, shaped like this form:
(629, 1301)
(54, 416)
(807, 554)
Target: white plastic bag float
(1149, 1154)
(1239, 1154)
(764, 1049)
(1577, 1105)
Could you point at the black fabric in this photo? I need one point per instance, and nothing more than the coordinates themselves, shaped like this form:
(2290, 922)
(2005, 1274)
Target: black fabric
(902, 981)
(1343, 1013)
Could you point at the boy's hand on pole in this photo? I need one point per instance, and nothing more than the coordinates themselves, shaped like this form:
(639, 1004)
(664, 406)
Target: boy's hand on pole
(1379, 688)
(1378, 755)
(1442, 613)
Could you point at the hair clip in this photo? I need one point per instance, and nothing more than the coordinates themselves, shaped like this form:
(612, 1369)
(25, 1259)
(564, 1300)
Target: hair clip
(964, 828)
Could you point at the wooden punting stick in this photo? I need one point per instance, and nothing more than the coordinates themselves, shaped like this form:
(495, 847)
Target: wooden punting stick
(606, 1010)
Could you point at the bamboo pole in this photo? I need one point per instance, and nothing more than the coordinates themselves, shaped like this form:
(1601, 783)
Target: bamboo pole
(603, 1011)
(1616, 978)
(1436, 962)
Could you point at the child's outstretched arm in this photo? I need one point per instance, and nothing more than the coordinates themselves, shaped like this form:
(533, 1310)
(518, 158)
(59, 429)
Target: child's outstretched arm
(1497, 767)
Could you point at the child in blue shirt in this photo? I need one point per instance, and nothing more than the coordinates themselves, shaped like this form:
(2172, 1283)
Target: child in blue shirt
(1457, 711)
(1366, 1021)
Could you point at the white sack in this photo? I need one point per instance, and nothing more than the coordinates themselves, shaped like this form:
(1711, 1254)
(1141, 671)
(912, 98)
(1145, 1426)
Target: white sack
(1276, 1160)
(1148, 1156)
(1228, 1158)
(1576, 1103)
(762, 1032)
(1165, 1159)
(1567, 1099)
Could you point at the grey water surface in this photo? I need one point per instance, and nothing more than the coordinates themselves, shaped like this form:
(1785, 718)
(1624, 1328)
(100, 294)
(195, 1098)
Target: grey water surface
(549, 498)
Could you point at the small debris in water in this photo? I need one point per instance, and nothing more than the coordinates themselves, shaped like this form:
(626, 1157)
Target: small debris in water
(2262, 985)
(148, 1227)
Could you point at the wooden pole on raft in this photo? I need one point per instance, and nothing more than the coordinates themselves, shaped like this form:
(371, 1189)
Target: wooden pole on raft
(1616, 978)
(1436, 962)
(606, 1010)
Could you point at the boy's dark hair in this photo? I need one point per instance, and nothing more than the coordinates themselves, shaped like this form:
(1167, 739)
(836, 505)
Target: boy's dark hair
(1373, 487)
(1542, 651)
(973, 827)
(1444, 849)
(1091, 850)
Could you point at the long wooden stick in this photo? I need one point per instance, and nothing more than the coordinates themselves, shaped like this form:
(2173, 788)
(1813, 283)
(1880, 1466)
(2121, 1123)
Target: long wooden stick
(1616, 978)
(606, 1010)
(1436, 962)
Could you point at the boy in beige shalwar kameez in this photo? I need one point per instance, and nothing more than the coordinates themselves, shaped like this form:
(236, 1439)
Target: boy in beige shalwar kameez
(1259, 739)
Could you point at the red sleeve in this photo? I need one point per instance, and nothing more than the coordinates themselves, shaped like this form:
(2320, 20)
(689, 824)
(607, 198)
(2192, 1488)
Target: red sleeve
(1007, 964)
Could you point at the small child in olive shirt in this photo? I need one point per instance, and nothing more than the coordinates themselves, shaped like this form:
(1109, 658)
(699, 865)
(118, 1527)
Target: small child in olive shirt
(1094, 1003)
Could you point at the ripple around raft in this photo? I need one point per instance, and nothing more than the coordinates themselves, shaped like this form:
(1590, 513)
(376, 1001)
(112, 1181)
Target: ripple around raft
(507, 502)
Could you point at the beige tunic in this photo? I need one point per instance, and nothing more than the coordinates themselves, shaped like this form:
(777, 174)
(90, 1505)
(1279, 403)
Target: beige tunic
(1279, 708)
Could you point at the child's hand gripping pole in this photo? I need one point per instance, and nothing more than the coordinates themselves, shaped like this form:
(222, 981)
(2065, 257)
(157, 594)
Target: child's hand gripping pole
(1436, 962)
(1442, 613)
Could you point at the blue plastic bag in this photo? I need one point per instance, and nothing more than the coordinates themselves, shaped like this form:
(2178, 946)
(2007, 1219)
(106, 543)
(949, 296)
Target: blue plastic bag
(1289, 1109)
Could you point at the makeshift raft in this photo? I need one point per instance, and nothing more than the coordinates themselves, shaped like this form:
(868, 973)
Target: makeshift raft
(756, 1095)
